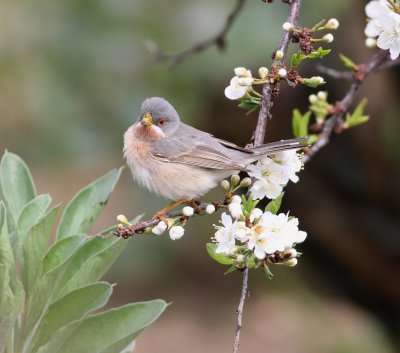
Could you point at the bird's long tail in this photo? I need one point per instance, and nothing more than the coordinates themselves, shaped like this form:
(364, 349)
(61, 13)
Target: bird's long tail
(284, 145)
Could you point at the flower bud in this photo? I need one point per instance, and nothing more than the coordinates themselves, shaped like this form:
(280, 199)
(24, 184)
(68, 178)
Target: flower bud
(236, 199)
(291, 262)
(225, 184)
(176, 232)
(240, 258)
(210, 209)
(287, 26)
(256, 213)
(263, 72)
(233, 250)
(370, 42)
(322, 95)
(313, 98)
(279, 54)
(240, 71)
(292, 252)
(333, 23)
(245, 81)
(282, 73)
(235, 209)
(328, 38)
(188, 211)
(159, 228)
(246, 182)
(122, 219)
(235, 179)
(314, 81)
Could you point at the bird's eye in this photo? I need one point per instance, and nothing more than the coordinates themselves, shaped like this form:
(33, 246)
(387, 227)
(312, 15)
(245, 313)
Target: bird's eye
(161, 122)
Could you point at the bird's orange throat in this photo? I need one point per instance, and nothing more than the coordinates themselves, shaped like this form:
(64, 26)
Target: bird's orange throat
(147, 133)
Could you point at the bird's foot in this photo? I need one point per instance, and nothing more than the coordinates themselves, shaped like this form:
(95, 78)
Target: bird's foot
(195, 205)
(160, 214)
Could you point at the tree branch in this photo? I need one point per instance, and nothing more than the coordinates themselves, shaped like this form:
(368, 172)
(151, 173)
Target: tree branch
(378, 60)
(268, 89)
(219, 39)
(243, 297)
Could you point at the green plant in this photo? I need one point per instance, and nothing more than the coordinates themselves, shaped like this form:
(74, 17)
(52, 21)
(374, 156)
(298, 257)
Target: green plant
(49, 286)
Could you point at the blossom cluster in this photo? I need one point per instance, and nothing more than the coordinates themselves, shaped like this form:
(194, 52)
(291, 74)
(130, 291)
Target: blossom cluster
(273, 172)
(383, 26)
(262, 234)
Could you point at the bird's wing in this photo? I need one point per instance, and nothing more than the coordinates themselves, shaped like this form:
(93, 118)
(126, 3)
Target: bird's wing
(233, 146)
(194, 148)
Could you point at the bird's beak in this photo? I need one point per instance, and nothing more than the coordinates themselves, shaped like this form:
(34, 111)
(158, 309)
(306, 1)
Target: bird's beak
(147, 119)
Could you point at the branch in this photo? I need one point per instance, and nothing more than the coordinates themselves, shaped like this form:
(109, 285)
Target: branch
(243, 297)
(218, 40)
(268, 89)
(336, 120)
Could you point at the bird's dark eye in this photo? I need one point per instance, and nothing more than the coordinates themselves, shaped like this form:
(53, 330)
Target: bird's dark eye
(161, 122)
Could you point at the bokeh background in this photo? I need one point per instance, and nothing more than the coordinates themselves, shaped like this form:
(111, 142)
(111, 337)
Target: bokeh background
(72, 77)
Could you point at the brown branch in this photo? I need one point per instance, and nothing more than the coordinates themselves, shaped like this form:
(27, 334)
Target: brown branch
(218, 39)
(268, 89)
(378, 60)
(347, 74)
(243, 297)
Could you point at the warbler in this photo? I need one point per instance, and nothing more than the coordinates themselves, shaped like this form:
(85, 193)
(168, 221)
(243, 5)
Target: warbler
(179, 162)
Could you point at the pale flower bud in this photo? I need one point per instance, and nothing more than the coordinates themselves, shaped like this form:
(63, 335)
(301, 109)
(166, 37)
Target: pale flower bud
(313, 98)
(263, 72)
(245, 182)
(256, 213)
(328, 38)
(159, 228)
(370, 42)
(245, 81)
(235, 179)
(292, 252)
(322, 95)
(210, 209)
(240, 71)
(282, 73)
(291, 262)
(240, 258)
(225, 184)
(236, 199)
(233, 250)
(333, 23)
(279, 54)
(235, 209)
(287, 26)
(176, 232)
(188, 211)
(122, 219)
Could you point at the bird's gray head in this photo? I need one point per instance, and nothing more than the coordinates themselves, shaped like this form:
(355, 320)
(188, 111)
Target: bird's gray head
(158, 112)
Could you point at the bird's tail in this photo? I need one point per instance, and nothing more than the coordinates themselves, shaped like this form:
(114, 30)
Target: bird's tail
(284, 145)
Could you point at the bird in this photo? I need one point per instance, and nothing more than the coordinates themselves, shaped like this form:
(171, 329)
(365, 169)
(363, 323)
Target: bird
(181, 163)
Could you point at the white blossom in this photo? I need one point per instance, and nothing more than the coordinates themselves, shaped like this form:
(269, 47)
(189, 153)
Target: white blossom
(225, 235)
(242, 72)
(188, 211)
(255, 214)
(235, 90)
(384, 24)
(263, 72)
(210, 209)
(370, 42)
(322, 95)
(282, 73)
(236, 199)
(176, 232)
(159, 228)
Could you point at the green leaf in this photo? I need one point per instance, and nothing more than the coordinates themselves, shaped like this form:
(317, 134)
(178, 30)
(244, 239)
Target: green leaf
(231, 269)
(300, 123)
(221, 258)
(297, 59)
(319, 53)
(90, 263)
(347, 61)
(319, 25)
(105, 329)
(83, 209)
(51, 269)
(274, 205)
(358, 116)
(312, 139)
(32, 212)
(72, 307)
(16, 184)
(34, 247)
(6, 252)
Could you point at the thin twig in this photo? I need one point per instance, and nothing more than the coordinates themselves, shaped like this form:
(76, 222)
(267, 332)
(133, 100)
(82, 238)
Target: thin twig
(343, 106)
(219, 39)
(266, 105)
(243, 297)
(347, 74)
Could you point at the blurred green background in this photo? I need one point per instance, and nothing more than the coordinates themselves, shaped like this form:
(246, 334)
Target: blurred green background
(73, 76)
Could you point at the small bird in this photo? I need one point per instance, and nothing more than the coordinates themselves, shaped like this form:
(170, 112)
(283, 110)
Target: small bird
(180, 162)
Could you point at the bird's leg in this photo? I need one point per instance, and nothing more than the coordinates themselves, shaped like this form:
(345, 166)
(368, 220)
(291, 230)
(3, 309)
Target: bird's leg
(168, 208)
